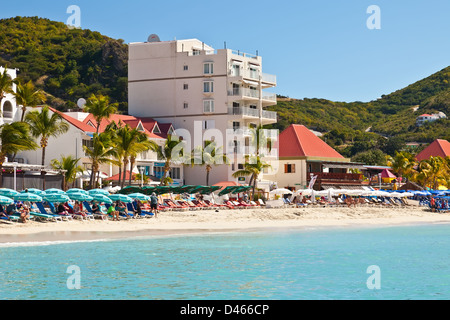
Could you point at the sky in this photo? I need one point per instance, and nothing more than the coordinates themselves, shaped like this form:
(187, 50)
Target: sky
(332, 49)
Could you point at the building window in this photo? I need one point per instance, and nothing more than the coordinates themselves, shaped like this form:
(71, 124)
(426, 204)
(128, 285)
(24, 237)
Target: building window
(208, 86)
(185, 105)
(185, 86)
(175, 173)
(236, 125)
(185, 68)
(209, 124)
(195, 52)
(208, 68)
(289, 168)
(208, 106)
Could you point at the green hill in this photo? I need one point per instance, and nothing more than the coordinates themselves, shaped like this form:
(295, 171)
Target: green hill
(66, 63)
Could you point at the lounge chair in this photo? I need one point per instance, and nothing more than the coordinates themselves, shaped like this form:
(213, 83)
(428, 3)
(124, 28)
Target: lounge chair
(132, 209)
(89, 212)
(145, 213)
(43, 214)
(63, 216)
(261, 202)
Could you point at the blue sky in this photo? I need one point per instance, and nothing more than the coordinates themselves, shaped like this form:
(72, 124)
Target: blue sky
(317, 49)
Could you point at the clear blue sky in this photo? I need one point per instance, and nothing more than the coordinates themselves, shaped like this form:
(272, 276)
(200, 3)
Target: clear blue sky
(319, 48)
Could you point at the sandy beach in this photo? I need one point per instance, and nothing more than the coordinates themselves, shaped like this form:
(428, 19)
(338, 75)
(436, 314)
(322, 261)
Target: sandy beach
(201, 221)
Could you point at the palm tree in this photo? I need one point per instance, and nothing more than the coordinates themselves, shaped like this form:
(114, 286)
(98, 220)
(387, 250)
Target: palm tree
(14, 137)
(433, 172)
(129, 143)
(101, 152)
(402, 164)
(6, 84)
(100, 108)
(253, 168)
(169, 152)
(28, 96)
(45, 124)
(208, 156)
(70, 167)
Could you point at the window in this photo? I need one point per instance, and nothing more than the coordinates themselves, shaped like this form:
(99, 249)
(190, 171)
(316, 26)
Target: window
(208, 86)
(208, 68)
(195, 52)
(236, 125)
(175, 173)
(185, 68)
(208, 106)
(209, 124)
(185, 86)
(185, 105)
(289, 168)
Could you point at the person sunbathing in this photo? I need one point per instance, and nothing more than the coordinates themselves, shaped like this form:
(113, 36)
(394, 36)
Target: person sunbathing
(24, 213)
(61, 210)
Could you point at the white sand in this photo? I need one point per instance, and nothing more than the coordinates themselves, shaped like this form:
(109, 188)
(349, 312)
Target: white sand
(200, 221)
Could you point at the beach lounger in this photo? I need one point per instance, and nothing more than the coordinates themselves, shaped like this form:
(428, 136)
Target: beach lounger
(261, 202)
(145, 213)
(53, 211)
(43, 214)
(89, 213)
(132, 209)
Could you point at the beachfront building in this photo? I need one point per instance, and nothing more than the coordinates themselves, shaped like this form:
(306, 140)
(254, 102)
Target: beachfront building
(9, 110)
(198, 89)
(438, 147)
(304, 157)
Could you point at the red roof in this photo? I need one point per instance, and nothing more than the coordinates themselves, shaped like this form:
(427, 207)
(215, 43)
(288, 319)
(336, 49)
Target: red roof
(80, 125)
(299, 141)
(425, 115)
(438, 147)
(116, 176)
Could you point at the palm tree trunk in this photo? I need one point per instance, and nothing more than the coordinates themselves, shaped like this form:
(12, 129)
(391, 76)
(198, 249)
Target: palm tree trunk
(120, 174)
(125, 162)
(208, 169)
(131, 169)
(24, 109)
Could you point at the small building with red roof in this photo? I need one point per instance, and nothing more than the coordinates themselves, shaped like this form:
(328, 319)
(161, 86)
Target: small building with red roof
(438, 147)
(304, 156)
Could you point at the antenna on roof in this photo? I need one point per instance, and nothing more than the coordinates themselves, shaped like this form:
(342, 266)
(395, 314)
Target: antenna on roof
(153, 38)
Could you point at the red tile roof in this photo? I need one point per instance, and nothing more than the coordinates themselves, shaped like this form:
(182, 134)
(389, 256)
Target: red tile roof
(80, 125)
(299, 141)
(438, 147)
(116, 176)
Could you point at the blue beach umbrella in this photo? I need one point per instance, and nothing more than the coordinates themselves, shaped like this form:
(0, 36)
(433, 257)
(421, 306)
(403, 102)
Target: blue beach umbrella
(4, 201)
(98, 191)
(120, 197)
(54, 191)
(139, 196)
(77, 190)
(101, 198)
(78, 196)
(56, 198)
(33, 190)
(8, 192)
(28, 196)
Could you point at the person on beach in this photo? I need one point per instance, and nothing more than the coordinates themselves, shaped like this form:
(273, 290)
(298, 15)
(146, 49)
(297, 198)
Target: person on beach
(61, 210)
(24, 213)
(121, 208)
(113, 213)
(2, 212)
(433, 204)
(245, 197)
(154, 204)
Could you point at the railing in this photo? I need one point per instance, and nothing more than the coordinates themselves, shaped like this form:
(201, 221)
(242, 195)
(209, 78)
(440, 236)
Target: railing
(254, 75)
(246, 111)
(243, 54)
(244, 92)
(339, 176)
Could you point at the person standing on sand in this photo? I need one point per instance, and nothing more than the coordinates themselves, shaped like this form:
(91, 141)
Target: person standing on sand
(154, 204)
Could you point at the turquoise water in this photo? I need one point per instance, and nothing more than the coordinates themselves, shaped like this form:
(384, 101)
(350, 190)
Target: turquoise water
(413, 263)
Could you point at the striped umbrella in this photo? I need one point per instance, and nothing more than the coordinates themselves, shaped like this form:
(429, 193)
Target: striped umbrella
(8, 192)
(28, 196)
(120, 197)
(33, 190)
(78, 196)
(101, 198)
(54, 191)
(4, 201)
(76, 190)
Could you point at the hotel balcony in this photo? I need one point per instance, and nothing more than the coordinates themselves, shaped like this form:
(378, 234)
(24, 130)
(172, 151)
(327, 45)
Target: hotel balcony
(252, 95)
(252, 77)
(250, 113)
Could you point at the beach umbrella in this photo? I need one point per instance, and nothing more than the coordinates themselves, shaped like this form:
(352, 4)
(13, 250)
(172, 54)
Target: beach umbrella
(79, 196)
(98, 191)
(54, 191)
(130, 189)
(33, 190)
(4, 201)
(280, 191)
(77, 190)
(139, 196)
(120, 197)
(56, 197)
(8, 192)
(101, 198)
(28, 196)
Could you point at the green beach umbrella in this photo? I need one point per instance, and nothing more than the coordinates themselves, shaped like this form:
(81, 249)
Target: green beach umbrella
(79, 196)
(8, 192)
(54, 191)
(98, 191)
(130, 189)
(101, 198)
(56, 197)
(148, 190)
(120, 197)
(4, 201)
(139, 196)
(28, 196)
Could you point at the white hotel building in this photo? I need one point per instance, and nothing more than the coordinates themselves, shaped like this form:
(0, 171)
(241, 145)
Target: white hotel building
(196, 88)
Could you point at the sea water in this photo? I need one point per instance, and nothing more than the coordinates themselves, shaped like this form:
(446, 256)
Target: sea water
(407, 262)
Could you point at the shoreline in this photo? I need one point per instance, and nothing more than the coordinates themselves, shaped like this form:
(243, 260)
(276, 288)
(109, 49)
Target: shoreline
(180, 223)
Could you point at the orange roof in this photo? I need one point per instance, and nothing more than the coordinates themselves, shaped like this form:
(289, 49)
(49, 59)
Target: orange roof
(116, 176)
(299, 141)
(438, 147)
(80, 125)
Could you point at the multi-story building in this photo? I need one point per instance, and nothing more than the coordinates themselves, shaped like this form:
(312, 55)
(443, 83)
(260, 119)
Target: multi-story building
(9, 110)
(196, 88)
